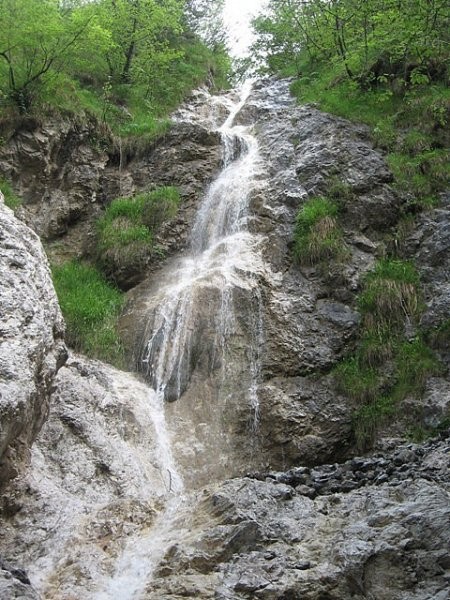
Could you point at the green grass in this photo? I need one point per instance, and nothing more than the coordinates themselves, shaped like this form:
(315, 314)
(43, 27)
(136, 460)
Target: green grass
(385, 367)
(160, 206)
(415, 362)
(126, 232)
(423, 174)
(336, 94)
(358, 381)
(12, 200)
(390, 294)
(317, 236)
(91, 307)
(137, 218)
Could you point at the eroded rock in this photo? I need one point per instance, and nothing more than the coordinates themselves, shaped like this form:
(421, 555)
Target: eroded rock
(31, 341)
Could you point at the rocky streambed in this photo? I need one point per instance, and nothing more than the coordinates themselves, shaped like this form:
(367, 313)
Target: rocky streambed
(276, 502)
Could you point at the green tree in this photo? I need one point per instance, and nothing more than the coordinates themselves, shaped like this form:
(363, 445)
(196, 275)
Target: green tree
(141, 30)
(36, 37)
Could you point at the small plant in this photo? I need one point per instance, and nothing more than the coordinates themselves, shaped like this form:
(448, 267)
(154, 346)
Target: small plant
(317, 235)
(126, 233)
(357, 380)
(12, 200)
(90, 306)
(390, 294)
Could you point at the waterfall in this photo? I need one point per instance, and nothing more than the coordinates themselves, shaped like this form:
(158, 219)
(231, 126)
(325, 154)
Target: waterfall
(194, 313)
(222, 257)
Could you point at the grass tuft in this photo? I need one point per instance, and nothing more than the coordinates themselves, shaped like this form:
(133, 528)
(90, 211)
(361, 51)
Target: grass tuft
(390, 294)
(126, 232)
(90, 306)
(12, 200)
(317, 236)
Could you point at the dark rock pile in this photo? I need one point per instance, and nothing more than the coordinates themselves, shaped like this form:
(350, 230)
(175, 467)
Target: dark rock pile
(406, 462)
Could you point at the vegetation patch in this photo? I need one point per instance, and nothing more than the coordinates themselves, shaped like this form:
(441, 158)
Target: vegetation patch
(91, 307)
(317, 235)
(386, 366)
(390, 294)
(12, 200)
(126, 232)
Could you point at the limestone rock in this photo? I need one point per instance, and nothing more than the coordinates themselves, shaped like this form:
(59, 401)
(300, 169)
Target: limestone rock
(95, 478)
(373, 527)
(31, 341)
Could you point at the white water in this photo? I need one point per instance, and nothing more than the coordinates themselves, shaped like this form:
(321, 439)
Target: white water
(224, 256)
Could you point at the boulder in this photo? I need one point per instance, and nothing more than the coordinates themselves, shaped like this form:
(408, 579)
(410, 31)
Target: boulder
(31, 341)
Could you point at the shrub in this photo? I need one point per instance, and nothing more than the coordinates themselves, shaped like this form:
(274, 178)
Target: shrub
(317, 235)
(11, 199)
(90, 306)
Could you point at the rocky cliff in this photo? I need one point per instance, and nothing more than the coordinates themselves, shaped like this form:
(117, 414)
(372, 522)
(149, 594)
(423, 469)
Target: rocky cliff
(274, 504)
(31, 348)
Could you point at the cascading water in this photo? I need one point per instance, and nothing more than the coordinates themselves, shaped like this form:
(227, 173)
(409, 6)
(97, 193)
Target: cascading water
(221, 251)
(193, 314)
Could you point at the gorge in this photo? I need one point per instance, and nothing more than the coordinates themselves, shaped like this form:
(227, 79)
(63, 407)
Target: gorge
(226, 463)
(129, 495)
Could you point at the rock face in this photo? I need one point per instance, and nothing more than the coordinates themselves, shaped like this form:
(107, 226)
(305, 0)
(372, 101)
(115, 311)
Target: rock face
(369, 528)
(68, 171)
(95, 478)
(31, 341)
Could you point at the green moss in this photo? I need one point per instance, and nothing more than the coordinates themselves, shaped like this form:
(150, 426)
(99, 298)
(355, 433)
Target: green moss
(317, 236)
(90, 306)
(12, 200)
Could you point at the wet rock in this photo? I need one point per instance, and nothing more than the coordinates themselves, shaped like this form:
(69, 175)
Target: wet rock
(95, 478)
(384, 541)
(31, 341)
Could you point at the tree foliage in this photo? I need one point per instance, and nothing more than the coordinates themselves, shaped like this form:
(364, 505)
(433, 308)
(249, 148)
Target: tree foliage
(371, 41)
(108, 43)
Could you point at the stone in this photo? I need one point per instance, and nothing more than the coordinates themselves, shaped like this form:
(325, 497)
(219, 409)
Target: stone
(31, 341)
